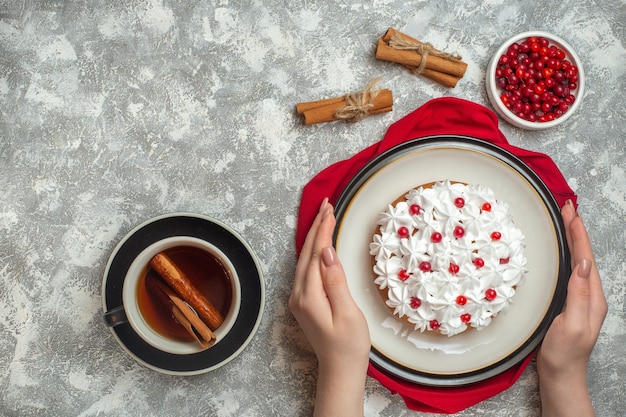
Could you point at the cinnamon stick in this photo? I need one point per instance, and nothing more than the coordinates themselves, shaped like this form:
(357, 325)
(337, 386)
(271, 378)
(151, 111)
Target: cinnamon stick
(439, 66)
(180, 283)
(302, 107)
(181, 312)
(326, 110)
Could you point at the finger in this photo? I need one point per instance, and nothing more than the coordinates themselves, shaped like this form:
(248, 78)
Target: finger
(578, 299)
(568, 213)
(307, 248)
(581, 245)
(311, 282)
(583, 250)
(325, 231)
(334, 279)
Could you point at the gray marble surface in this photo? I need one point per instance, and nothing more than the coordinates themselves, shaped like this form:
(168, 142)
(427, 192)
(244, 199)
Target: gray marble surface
(114, 112)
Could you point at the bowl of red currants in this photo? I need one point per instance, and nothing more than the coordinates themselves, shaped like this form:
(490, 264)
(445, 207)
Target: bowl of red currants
(535, 80)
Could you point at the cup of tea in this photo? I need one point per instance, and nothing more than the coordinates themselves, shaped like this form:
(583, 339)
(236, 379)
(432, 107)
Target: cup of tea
(152, 306)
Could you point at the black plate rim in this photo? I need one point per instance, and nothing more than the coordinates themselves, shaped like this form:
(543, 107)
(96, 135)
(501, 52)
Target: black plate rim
(386, 365)
(241, 256)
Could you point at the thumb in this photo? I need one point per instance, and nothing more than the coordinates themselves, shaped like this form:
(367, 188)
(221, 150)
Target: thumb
(334, 279)
(579, 293)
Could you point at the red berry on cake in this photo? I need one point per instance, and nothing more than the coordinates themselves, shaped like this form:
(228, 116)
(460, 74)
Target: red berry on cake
(436, 237)
(486, 207)
(403, 232)
(453, 268)
(504, 261)
(415, 209)
(466, 318)
(434, 324)
(403, 275)
(490, 294)
(425, 266)
(459, 202)
(459, 232)
(415, 303)
(461, 300)
(496, 236)
(479, 262)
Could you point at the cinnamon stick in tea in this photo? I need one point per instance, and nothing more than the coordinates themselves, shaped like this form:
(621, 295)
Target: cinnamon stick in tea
(178, 281)
(330, 109)
(181, 312)
(420, 57)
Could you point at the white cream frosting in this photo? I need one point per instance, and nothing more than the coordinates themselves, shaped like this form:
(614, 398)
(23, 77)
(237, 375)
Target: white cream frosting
(426, 258)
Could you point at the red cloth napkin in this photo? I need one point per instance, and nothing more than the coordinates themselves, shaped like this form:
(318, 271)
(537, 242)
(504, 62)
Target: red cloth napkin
(440, 116)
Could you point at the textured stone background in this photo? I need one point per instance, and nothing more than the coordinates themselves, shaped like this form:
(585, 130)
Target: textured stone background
(114, 112)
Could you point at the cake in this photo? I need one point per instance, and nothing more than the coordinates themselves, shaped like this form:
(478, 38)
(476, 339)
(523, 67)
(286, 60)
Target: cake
(447, 257)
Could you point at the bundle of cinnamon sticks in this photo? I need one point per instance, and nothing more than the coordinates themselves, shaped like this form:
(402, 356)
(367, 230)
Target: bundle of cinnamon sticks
(190, 308)
(420, 57)
(350, 107)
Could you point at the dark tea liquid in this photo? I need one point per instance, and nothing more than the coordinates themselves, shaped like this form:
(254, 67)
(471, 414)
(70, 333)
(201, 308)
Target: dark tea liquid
(206, 273)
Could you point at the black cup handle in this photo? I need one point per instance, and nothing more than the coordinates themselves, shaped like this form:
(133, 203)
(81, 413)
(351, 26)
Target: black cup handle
(115, 316)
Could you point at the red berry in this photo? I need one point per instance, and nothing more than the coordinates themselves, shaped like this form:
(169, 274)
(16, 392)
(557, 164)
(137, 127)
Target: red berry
(487, 206)
(461, 300)
(504, 261)
(415, 209)
(465, 318)
(453, 268)
(490, 294)
(415, 303)
(434, 324)
(459, 232)
(425, 266)
(496, 236)
(404, 275)
(403, 232)
(459, 202)
(436, 237)
(479, 262)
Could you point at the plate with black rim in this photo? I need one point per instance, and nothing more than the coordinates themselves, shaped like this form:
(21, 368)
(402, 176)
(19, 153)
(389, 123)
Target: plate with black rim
(234, 248)
(472, 356)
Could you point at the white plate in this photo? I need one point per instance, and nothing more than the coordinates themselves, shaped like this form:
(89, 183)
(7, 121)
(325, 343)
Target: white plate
(473, 355)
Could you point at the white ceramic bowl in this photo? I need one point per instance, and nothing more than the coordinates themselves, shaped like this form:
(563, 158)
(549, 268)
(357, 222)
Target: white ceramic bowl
(494, 92)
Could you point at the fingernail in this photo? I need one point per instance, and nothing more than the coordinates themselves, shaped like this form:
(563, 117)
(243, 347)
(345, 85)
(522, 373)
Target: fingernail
(329, 256)
(584, 268)
(324, 204)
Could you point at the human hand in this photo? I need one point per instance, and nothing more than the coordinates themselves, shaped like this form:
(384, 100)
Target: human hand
(331, 321)
(564, 355)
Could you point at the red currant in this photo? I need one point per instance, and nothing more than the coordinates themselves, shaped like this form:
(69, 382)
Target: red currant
(425, 266)
(504, 261)
(461, 300)
(403, 232)
(459, 232)
(436, 237)
(490, 294)
(415, 209)
(459, 202)
(434, 324)
(496, 236)
(486, 207)
(466, 318)
(415, 303)
(479, 262)
(453, 268)
(404, 275)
